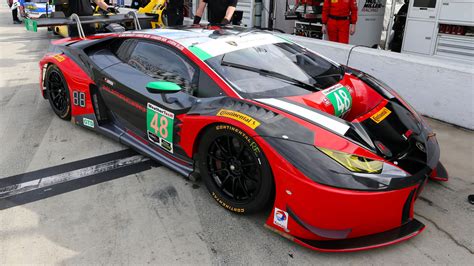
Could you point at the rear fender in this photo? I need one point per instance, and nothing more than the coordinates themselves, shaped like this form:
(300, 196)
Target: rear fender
(78, 85)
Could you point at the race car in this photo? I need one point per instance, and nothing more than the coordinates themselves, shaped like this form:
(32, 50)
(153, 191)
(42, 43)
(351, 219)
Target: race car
(338, 156)
(31, 10)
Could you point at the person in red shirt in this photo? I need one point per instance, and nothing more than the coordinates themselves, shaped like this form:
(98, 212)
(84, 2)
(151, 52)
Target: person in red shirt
(339, 19)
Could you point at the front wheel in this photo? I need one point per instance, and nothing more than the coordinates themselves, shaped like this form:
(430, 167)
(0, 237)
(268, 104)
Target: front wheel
(234, 169)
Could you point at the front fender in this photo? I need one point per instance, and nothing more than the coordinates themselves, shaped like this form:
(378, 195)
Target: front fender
(253, 119)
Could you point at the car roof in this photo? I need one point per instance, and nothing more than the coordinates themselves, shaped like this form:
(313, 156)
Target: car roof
(210, 42)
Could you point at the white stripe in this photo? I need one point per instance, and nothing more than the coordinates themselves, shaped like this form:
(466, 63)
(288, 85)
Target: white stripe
(223, 45)
(68, 176)
(320, 119)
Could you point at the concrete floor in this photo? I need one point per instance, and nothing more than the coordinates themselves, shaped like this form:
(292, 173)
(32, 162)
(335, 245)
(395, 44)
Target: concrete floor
(156, 216)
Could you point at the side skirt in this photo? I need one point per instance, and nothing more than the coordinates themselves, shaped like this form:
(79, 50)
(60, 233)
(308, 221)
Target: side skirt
(113, 131)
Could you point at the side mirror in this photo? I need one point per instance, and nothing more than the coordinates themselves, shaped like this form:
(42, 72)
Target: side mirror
(162, 87)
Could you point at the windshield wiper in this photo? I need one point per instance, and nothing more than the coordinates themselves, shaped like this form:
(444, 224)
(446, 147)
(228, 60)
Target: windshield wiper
(328, 76)
(274, 74)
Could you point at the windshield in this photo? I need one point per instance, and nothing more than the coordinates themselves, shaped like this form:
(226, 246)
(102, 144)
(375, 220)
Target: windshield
(275, 70)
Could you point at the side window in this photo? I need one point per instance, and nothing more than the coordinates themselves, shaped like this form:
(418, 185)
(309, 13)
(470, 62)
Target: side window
(121, 48)
(207, 87)
(164, 64)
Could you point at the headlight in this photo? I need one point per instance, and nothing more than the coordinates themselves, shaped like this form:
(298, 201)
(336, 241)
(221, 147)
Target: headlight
(341, 170)
(355, 163)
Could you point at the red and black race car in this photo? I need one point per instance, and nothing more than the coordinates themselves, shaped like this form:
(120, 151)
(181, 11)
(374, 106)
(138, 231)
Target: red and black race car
(263, 121)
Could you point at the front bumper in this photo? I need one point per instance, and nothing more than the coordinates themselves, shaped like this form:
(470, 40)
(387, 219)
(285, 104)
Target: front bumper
(332, 219)
(343, 218)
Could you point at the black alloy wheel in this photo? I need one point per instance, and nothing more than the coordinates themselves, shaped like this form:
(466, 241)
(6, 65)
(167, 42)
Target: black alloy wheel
(235, 169)
(233, 166)
(58, 92)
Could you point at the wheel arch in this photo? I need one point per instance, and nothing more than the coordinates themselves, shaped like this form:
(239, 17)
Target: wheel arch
(262, 144)
(43, 69)
(208, 123)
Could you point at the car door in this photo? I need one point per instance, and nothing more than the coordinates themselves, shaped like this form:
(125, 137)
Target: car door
(151, 115)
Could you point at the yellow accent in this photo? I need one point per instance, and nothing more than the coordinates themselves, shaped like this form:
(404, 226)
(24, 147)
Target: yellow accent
(334, 1)
(155, 7)
(59, 57)
(62, 31)
(243, 118)
(380, 115)
(355, 163)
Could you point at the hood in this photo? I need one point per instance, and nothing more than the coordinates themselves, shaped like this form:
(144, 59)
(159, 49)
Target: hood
(354, 110)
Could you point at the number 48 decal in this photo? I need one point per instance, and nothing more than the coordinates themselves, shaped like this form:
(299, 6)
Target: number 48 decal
(159, 123)
(340, 99)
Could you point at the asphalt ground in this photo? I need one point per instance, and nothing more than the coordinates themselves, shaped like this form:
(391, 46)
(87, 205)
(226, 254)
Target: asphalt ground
(136, 212)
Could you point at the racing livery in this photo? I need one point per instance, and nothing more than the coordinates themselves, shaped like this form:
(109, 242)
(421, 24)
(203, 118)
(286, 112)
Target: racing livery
(338, 156)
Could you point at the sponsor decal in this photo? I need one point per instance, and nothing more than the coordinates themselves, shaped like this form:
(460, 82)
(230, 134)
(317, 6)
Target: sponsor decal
(243, 118)
(153, 37)
(232, 43)
(326, 102)
(227, 206)
(59, 58)
(88, 122)
(159, 124)
(252, 143)
(381, 115)
(280, 218)
(340, 98)
(124, 98)
(372, 6)
(108, 81)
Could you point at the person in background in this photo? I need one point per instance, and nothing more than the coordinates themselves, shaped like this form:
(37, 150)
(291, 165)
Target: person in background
(14, 11)
(84, 8)
(219, 11)
(174, 12)
(339, 19)
(399, 28)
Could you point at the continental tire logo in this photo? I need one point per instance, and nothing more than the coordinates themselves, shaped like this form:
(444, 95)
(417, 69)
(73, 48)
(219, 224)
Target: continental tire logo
(227, 206)
(243, 118)
(380, 115)
(252, 143)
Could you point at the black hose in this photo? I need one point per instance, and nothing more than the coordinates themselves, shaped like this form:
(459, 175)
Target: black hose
(350, 52)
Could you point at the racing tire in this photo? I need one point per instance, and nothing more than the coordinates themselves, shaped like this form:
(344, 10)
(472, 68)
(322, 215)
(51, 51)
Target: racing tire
(235, 169)
(58, 92)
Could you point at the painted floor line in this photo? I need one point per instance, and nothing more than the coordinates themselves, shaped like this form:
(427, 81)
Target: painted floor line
(52, 180)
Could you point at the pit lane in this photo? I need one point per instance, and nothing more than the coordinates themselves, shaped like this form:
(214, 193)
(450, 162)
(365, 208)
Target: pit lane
(153, 215)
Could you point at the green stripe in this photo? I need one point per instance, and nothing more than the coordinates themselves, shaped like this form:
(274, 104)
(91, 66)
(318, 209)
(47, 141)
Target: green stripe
(283, 38)
(199, 53)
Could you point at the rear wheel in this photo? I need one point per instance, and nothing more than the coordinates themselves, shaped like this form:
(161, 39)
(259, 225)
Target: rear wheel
(235, 170)
(58, 92)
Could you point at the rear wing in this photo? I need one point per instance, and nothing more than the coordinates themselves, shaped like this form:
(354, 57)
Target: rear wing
(74, 19)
